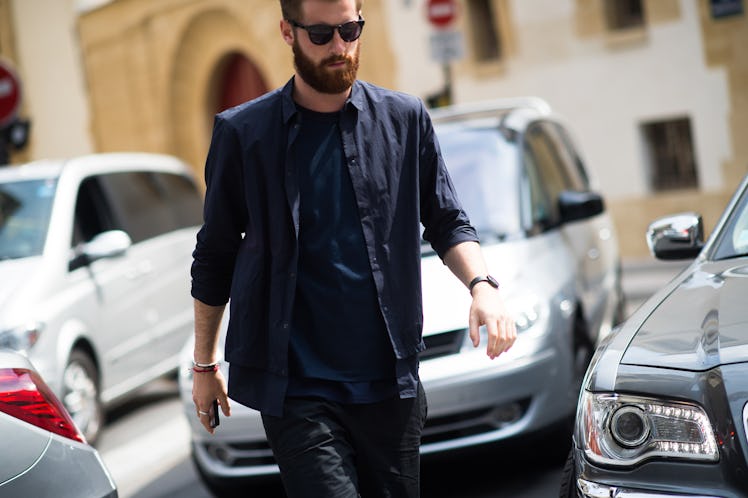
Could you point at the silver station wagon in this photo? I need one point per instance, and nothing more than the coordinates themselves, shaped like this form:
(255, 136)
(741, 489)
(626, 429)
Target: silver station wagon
(546, 237)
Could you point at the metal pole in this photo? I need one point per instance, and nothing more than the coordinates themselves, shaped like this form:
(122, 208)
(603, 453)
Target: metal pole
(447, 70)
(4, 154)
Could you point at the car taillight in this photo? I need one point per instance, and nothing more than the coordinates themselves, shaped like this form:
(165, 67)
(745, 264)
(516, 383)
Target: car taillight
(25, 396)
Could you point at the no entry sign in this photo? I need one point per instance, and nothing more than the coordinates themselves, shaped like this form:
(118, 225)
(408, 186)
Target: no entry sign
(10, 94)
(441, 13)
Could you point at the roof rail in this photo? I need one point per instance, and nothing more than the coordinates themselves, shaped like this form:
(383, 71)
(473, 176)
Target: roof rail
(492, 106)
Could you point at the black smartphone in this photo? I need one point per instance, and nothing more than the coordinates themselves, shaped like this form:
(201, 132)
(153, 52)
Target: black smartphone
(215, 419)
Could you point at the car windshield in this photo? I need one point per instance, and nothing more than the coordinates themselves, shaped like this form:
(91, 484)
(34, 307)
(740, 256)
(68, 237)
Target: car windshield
(482, 163)
(733, 239)
(25, 208)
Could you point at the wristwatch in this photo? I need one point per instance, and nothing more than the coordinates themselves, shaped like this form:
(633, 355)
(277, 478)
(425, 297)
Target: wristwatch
(483, 278)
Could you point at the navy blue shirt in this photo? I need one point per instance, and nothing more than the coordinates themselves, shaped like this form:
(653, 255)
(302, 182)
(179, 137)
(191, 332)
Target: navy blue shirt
(247, 249)
(338, 335)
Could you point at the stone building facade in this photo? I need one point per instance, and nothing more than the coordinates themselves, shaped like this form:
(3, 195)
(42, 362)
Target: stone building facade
(112, 75)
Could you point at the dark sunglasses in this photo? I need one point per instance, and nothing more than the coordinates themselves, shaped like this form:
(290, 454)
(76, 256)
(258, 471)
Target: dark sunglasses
(321, 34)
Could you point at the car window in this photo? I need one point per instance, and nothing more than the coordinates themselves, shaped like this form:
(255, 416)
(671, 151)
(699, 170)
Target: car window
(545, 177)
(140, 204)
(25, 211)
(482, 163)
(568, 157)
(733, 240)
(184, 200)
(92, 212)
(552, 166)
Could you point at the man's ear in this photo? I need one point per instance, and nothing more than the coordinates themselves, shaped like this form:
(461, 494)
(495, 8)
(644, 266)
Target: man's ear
(287, 32)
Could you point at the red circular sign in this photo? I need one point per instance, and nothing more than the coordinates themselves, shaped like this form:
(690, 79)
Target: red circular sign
(441, 13)
(10, 94)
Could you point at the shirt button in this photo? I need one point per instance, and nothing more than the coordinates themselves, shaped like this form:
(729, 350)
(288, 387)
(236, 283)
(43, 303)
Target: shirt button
(292, 275)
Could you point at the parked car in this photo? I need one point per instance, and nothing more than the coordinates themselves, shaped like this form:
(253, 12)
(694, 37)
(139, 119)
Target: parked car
(44, 454)
(545, 236)
(664, 407)
(94, 264)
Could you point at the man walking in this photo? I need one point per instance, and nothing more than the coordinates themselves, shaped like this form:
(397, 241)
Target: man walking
(315, 197)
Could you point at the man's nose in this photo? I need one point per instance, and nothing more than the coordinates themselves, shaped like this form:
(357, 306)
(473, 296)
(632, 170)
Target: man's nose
(337, 43)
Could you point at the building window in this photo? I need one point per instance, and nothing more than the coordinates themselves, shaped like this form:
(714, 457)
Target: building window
(726, 8)
(671, 154)
(484, 30)
(624, 14)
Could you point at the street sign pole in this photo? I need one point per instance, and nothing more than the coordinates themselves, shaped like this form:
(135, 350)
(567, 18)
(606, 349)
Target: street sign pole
(446, 44)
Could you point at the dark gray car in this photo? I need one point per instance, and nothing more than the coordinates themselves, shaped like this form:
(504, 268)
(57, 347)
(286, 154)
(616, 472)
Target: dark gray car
(664, 407)
(43, 452)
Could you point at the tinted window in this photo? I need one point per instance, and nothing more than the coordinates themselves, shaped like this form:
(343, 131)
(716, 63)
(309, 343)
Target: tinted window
(569, 157)
(25, 210)
(545, 177)
(92, 212)
(184, 199)
(139, 204)
(552, 166)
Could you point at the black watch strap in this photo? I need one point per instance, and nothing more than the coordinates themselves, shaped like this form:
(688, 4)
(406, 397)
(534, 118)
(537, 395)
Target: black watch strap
(483, 278)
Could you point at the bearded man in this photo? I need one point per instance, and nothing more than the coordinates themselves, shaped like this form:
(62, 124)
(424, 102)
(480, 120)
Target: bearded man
(316, 193)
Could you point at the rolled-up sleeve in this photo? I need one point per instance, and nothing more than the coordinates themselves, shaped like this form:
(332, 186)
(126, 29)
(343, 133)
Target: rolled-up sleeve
(445, 222)
(224, 218)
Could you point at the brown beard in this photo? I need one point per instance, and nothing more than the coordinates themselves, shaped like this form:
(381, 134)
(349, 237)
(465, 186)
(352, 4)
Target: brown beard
(323, 79)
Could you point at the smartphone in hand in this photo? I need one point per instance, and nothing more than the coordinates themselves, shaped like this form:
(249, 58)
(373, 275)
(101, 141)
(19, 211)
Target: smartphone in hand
(215, 419)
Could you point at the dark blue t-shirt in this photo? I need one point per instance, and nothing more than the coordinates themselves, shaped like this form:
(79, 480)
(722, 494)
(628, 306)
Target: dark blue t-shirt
(339, 344)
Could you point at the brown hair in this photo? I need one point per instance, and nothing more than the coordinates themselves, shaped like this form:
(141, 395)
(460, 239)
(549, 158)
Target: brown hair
(291, 9)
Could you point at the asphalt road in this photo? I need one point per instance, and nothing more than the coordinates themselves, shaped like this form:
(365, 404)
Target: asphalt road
(145, 444)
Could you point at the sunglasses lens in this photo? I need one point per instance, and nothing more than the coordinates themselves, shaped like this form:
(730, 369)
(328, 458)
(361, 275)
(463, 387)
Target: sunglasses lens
(350, 31)
(320, 34)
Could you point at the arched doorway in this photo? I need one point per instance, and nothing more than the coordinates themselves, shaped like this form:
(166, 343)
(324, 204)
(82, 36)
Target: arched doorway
(235, 80)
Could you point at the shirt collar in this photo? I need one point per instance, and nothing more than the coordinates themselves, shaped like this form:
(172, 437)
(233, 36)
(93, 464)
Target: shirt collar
(356, 99)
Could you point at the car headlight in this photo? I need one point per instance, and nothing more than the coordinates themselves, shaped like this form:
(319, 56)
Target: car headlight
(21, 338)
(623, 430)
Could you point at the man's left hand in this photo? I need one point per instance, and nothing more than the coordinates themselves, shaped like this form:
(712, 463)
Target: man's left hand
(488, 309)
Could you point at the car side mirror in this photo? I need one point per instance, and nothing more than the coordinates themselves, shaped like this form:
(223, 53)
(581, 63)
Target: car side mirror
(679, 236)
(107, 244)
(575, 205)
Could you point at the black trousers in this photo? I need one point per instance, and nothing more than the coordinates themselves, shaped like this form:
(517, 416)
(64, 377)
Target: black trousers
(333, 450)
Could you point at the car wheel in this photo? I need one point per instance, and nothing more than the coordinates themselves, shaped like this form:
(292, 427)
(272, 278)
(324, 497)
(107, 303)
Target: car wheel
(80, 394)
(568, 487)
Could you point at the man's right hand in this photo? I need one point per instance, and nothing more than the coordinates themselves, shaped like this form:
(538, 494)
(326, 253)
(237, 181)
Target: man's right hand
(207, 387)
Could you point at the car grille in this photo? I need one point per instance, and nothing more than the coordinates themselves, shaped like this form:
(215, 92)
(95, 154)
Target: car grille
(443, 344)
(241, 454)
(471, 423)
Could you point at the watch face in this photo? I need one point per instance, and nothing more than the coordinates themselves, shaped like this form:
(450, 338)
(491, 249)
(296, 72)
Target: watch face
(492, 281)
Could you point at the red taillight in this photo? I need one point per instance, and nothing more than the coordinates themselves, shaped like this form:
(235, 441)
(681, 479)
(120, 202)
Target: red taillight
(24, 395)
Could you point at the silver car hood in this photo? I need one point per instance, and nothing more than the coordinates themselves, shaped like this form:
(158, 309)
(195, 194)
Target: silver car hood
(701, 324)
